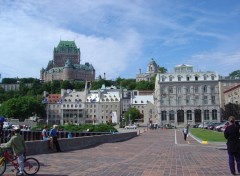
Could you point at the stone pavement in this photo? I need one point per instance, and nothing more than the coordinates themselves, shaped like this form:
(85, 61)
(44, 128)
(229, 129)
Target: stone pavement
(153, 153)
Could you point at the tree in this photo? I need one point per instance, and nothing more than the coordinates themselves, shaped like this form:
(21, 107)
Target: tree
(162, 69)
(144, 85)
(235, 74)
(66, 85)
(22, 107)
(231, 109)
(133, 114)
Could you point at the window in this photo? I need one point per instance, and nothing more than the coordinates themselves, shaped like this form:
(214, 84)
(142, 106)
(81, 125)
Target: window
(205, 89)
(179, 101)
(164, 101)
(170, 78)
(171, 101)
(196, 78)
(205, 100)
(170, 89)
(212, 77)
(189, 115)
(188, 100)
(171, 115)
(213, 100)
(196, 89)
(179, 78)
(164, 116)
(179, 90)
(205, 77)
(196, 101)
(163, 79)
(206, 114)
(212, 89)
(214, 114)
(188, 78)
(187, 89)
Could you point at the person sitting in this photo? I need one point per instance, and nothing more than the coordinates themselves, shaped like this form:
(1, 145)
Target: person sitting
(45, 133)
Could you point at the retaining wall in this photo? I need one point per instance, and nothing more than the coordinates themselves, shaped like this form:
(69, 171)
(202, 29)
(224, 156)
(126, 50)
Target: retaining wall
(76, 143)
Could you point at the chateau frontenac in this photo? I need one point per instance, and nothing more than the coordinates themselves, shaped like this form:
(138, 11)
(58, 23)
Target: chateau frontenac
(66, 65)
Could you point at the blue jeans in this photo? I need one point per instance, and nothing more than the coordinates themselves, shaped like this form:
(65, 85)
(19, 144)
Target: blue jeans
(21, 163)
(231, 161)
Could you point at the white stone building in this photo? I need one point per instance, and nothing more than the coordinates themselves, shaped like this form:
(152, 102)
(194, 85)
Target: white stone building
(186, 96)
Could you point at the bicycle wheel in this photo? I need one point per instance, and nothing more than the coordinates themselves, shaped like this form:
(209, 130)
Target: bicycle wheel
(31, 166)
(2, 166)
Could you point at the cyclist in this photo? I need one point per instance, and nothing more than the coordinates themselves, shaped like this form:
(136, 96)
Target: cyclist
(18, 146)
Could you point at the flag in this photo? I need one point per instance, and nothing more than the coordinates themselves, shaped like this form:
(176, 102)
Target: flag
(93, 100)
(59, 101)
(45, 100)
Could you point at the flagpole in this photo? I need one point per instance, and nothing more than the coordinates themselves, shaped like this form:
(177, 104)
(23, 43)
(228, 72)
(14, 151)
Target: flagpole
(47, 112)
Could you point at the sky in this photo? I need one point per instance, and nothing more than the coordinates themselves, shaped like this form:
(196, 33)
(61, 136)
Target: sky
(120, 37)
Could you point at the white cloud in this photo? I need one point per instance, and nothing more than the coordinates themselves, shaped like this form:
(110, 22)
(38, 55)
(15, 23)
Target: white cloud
(223, 63)
(28, 46)
(112, 35)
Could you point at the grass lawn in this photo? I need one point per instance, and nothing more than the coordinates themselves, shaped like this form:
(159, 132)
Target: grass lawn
(207, 135)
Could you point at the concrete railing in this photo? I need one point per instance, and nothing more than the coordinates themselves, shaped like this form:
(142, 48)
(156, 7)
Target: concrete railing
(76, 143)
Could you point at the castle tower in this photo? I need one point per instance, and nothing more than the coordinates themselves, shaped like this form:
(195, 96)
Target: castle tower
(66, 50)
(152, 67)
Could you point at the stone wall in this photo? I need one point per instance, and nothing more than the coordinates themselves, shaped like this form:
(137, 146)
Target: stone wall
(42, 147)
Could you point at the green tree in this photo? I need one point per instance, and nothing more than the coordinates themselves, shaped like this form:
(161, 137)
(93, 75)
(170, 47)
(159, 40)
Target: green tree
(55, 86)
(235, 74)
(133, 114)
(66, 85)
(79, 85)
(144, 85)
(22, 107)
(231, 109)
(162, 70)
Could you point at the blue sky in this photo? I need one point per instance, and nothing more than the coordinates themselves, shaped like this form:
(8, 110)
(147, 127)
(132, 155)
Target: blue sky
(120, 37)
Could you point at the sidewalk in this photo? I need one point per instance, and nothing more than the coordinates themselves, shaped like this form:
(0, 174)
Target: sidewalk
(153, 153)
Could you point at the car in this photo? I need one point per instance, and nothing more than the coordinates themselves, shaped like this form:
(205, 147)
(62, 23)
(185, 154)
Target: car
(203, 125)
(131, 127)
(212, 125)
(219, 127)
(237, 122)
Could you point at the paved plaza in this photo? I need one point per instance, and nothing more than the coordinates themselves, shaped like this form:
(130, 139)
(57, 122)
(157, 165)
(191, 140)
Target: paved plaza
(153, 153)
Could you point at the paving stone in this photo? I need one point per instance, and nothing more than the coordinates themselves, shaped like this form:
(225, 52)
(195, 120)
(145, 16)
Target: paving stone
(153, 153)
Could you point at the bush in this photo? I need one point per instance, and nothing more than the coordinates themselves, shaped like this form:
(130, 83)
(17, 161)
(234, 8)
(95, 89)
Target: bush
(81, 128)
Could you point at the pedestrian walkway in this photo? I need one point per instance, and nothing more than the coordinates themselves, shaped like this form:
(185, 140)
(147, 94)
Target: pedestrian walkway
(158, 152)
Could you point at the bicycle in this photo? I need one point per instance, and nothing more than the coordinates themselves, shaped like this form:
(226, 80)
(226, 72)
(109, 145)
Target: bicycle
(31, 165)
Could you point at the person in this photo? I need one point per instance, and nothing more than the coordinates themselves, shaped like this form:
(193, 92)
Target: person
(185, 132)
(18, 146)
(232, 135)
(53, 134)
(45, 133)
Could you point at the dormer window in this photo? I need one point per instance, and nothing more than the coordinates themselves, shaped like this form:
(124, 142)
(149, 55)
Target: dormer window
(179, 78)
(212, 77)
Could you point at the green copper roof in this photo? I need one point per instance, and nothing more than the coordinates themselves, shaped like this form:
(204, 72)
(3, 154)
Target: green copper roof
(64, 46)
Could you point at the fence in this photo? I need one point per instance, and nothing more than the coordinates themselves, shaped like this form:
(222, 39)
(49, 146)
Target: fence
(37, 135)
